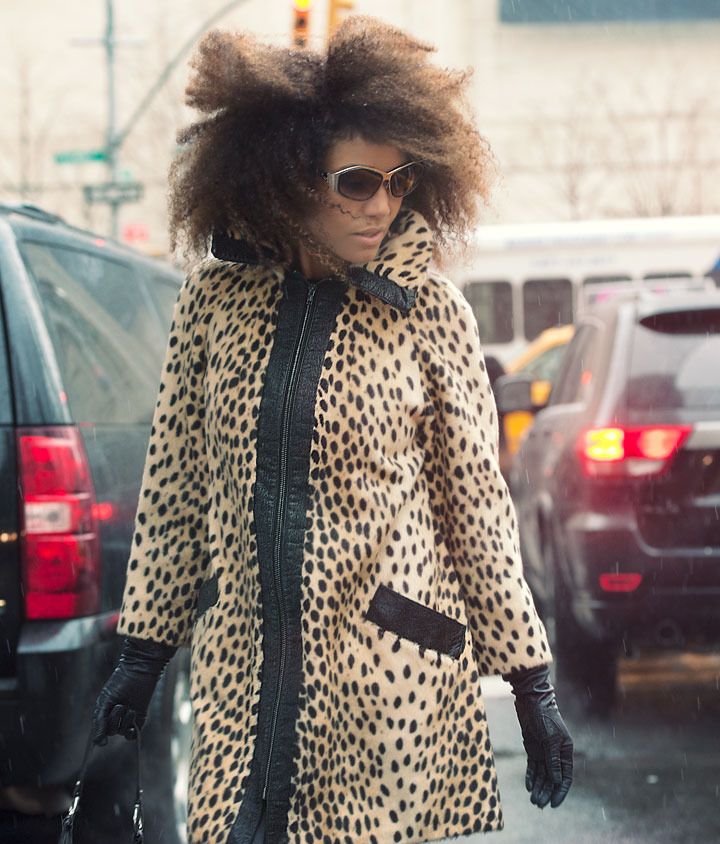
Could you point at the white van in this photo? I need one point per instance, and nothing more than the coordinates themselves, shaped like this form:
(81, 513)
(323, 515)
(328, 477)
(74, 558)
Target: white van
(523, 278)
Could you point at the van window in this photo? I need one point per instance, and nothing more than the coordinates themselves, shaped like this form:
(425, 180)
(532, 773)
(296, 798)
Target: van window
(547, 302)
(492, 305)
(105, 332)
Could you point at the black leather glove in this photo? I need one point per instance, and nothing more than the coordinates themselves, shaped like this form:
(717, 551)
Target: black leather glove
(123, 702)
(546, 739)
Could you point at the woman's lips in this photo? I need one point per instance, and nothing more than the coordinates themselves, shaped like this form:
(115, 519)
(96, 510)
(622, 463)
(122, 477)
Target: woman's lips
(371, 237)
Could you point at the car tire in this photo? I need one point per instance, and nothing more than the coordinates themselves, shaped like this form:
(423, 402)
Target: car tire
(105, 812)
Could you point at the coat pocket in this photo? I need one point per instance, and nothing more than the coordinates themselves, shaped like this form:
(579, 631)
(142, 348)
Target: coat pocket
(208, 596)
(416, 622)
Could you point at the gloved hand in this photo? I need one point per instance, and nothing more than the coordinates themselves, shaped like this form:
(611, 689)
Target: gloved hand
(123, 702)
(546, 739)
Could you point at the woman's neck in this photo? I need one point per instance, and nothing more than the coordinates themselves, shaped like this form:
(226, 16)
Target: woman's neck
(310, 266)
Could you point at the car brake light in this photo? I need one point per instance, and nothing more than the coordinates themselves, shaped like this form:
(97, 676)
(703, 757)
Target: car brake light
(59, 539)
(620, 582)
(104, 511)
(635, 451)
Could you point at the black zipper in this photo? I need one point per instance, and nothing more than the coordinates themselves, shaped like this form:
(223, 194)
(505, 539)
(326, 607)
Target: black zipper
(287, 411)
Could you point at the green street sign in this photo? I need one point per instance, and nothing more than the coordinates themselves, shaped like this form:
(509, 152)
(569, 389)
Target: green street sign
(77, 156)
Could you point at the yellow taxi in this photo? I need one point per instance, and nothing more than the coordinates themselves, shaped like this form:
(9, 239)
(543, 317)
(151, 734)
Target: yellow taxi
(540, 360)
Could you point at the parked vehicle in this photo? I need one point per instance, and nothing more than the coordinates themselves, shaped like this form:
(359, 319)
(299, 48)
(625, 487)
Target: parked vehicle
(541, 358)
(617, 486)
(522, 278)
(84, 327)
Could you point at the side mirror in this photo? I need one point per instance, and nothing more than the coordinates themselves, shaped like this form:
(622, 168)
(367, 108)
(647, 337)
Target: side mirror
(514, 393)
(541, 394)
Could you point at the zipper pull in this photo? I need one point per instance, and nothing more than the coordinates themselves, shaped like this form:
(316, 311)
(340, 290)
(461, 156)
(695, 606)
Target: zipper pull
(264, 792)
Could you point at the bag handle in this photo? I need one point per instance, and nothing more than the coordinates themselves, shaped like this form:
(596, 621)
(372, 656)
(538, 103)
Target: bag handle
(137, 816)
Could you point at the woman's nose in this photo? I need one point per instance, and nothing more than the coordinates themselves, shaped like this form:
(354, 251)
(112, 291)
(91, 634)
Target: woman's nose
(379, 204)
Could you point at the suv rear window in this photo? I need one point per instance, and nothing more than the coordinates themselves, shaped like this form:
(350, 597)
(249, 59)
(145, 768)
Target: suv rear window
(674, 361)
(104, 327)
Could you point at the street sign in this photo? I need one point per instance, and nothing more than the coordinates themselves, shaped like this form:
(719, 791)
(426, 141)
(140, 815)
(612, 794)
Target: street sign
(77, 156)
(114, 193)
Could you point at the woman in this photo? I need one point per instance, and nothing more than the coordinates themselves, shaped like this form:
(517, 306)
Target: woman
(321, 518)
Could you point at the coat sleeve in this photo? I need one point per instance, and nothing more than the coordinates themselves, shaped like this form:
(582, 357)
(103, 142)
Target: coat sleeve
(169, 554)
(472, 509)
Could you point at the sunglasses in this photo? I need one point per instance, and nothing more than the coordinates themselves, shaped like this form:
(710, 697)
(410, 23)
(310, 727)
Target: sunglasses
(362, 183)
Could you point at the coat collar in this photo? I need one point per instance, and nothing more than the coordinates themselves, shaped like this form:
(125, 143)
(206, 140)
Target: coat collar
(403, 255)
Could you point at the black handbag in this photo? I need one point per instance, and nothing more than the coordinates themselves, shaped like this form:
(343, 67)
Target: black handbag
(66, 833)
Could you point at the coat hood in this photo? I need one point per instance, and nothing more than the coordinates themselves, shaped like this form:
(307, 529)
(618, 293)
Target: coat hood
(405, 252)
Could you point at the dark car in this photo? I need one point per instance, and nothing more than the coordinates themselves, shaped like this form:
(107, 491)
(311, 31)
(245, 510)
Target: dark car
(617, 486)
(82, 337)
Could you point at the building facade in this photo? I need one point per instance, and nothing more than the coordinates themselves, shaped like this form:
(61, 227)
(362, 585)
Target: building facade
(594, 108)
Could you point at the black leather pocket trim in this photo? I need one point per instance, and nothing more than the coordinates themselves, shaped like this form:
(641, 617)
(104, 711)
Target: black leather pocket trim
(208, 595)
(412, 620)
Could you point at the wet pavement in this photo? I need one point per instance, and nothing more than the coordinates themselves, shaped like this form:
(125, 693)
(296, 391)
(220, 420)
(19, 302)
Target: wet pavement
(649, 774)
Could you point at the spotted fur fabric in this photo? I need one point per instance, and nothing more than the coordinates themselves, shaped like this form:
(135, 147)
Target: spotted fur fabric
(409, 574)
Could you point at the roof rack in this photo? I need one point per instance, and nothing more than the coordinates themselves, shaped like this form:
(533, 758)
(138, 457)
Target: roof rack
(30, 210)
(646, 289)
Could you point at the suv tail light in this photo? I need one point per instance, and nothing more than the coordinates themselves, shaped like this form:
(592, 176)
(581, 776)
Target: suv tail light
(630, 452)
(60, 548)
(619, 581)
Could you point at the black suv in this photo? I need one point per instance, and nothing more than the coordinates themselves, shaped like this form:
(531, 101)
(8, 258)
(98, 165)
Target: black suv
(82, 337)
(617, 486)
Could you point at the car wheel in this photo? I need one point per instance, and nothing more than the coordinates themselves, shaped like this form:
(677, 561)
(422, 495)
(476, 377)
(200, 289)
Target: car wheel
(105, 812)
(166, 750)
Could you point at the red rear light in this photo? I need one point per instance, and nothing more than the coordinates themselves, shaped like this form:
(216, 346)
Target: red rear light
(620, 582)
(630, 452)
(104, 511)
(59, 534)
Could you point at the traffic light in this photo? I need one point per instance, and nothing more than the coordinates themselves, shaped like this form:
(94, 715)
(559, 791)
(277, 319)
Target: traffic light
(301, 15)
(335, 10)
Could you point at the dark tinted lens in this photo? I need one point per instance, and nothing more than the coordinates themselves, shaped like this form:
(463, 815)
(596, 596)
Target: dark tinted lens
(405, 180)
(359, 184)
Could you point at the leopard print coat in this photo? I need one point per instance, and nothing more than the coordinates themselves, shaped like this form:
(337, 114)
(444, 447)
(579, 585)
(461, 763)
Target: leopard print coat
(323, 522)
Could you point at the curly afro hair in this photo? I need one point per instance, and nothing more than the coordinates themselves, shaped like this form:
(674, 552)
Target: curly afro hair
(251, 165)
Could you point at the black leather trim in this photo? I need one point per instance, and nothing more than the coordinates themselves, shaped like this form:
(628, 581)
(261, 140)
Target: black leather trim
(208, 595)
(413, 620)
(280, 546)
(402, 298)
(227, 248)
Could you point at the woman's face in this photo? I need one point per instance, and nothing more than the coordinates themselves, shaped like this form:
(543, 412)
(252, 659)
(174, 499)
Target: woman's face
(351, 228)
